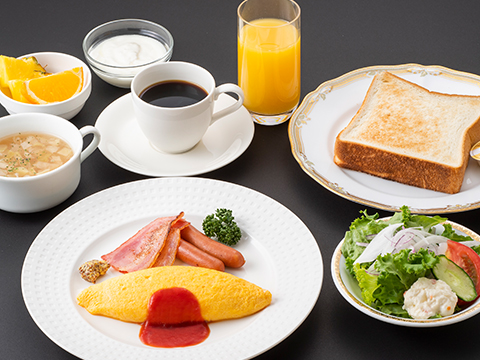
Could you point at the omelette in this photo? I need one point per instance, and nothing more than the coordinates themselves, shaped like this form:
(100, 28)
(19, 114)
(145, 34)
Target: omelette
(221, 295)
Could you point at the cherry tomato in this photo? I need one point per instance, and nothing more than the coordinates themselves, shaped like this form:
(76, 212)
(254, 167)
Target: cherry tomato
(467, 259)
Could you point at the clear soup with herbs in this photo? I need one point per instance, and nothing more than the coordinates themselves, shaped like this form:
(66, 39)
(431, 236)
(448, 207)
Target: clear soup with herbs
(30, 154)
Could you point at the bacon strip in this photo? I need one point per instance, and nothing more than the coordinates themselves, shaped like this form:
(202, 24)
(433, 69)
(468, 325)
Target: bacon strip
(142, 249)
(169, 252)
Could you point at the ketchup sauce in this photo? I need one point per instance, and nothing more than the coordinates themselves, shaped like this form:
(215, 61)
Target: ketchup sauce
(174, 320)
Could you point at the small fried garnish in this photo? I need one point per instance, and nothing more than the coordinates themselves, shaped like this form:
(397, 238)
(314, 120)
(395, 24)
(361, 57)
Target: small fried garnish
(93, 269)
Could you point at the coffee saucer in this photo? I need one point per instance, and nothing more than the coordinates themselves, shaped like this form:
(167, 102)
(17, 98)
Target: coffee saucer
(123, 143)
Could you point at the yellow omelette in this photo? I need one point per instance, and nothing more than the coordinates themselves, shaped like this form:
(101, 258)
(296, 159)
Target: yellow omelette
(221, 295)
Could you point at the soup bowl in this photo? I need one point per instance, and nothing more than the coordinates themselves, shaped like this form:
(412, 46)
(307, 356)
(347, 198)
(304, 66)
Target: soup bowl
(40, 192)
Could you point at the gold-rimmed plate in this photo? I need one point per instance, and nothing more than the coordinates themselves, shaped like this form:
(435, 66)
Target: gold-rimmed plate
(328, 109)
(349, 289)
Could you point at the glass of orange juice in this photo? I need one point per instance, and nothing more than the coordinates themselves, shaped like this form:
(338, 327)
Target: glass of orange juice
(269, 58)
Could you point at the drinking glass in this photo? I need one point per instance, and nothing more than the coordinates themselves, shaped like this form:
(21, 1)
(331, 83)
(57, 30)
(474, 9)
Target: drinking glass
(269, 58)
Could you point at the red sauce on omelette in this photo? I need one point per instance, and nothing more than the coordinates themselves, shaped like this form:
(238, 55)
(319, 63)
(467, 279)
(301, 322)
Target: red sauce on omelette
(174, 320)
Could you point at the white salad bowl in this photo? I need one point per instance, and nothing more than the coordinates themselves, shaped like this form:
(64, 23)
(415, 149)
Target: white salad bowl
(54, 62)
(349, 289)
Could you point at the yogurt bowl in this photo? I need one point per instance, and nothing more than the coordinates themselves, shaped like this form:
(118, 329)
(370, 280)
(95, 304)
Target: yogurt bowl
(54, 62)
(117, 50)
(43, 191)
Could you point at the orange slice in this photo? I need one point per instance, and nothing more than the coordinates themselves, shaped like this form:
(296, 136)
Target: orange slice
(17, 89)
(55, 87)
(18, 69)
(6, 91)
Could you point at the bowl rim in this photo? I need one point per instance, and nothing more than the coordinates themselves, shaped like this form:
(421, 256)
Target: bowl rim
(95, 63)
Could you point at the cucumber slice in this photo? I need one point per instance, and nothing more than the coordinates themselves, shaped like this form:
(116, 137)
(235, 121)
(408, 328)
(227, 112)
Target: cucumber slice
(456, 278)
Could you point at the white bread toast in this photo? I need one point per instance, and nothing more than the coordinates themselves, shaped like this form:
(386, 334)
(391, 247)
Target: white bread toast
(406, 133)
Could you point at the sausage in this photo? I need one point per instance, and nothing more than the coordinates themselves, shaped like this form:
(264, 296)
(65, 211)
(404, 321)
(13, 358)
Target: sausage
(230, 257)
(192, 255)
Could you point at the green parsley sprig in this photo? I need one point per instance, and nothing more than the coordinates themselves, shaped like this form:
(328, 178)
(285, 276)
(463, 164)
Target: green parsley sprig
(221, 226)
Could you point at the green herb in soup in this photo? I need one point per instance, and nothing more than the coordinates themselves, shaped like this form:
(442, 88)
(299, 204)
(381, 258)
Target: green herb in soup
(30, 154)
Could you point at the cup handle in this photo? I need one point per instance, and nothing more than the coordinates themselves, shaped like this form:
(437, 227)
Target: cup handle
(224, 88)
(93, 144)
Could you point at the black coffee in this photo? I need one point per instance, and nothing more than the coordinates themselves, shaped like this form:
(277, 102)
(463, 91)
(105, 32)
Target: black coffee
(173, 93)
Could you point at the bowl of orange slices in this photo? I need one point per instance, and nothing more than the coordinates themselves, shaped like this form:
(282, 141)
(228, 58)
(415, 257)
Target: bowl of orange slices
(44, 82)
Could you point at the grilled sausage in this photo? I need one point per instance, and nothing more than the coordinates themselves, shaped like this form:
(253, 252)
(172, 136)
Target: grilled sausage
(229, 256)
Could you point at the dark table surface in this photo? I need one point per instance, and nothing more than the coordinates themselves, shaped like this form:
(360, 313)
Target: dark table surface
(337, 37)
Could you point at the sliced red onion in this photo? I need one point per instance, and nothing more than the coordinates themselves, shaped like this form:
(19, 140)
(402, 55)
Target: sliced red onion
(364, 244)
(380, 244)
(442, 248)
(387, 241)
(430, 240)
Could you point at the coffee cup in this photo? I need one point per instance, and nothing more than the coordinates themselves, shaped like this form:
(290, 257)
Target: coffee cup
(43, 191)
(174, 104)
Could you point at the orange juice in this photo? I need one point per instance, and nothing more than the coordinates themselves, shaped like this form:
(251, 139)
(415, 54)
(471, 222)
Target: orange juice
(269, 66)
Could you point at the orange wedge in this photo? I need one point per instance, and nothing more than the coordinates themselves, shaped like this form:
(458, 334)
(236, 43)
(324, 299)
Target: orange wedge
(18, 69)
(55, 87)
(6, 91)
(17, 89)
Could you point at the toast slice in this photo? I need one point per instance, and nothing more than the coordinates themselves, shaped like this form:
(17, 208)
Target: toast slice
(406, 133)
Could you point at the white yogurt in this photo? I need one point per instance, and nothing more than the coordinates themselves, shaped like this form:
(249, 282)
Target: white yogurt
(128, 50)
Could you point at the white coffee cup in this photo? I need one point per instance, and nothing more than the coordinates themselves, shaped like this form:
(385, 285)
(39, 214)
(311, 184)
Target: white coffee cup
(179, 129)
(44, 191)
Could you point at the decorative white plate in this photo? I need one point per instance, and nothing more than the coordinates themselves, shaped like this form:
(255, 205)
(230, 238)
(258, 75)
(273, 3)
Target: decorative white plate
(349, 289)
(327, 110)
(275, 242)
(124, 144)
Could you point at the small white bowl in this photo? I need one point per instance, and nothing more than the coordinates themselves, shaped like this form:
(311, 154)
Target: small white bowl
(122, 75)
(54, 62)
(40, 192)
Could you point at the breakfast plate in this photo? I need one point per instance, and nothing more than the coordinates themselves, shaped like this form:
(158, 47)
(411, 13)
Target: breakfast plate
(327, 110)
(101, 222)
(124, 144)
(349, 289)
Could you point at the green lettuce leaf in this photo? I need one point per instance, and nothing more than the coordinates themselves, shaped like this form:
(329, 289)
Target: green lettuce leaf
(397, 273)
(367, 282)
(407, 266)
(390, 290)
(411, 220)
(448, 232)
(476, 249)
(393, 309)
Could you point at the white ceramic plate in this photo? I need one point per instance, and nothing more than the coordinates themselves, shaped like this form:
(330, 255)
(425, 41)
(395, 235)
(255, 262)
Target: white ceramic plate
(327, 110)
(101, 222)
(124, 144)
(349, 289)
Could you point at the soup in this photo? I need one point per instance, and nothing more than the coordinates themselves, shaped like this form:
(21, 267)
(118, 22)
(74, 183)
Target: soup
(30, 154)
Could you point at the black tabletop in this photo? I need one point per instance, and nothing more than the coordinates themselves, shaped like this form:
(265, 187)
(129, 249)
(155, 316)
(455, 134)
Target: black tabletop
(337, 37)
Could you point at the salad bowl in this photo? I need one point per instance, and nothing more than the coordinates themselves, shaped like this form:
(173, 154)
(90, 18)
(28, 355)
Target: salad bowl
(348, 287)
